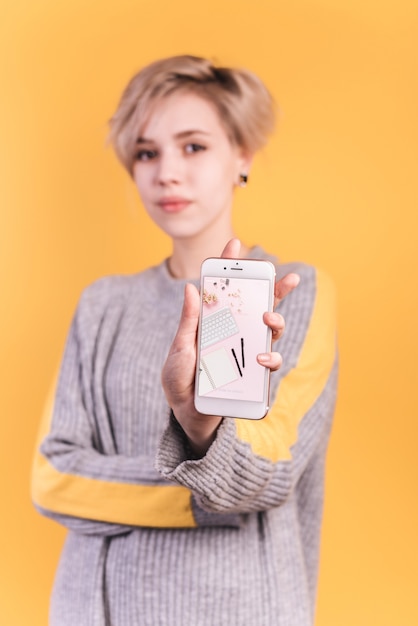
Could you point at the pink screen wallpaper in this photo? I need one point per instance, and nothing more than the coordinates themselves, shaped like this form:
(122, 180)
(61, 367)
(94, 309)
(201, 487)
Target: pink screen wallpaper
(232, 334)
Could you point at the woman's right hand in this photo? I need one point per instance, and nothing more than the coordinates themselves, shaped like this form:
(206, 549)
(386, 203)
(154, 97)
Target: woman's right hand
(178, 374)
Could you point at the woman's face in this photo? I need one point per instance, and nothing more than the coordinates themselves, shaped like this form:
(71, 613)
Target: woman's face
(186, 168)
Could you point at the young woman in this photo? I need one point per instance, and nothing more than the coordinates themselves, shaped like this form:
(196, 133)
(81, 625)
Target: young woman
(177, 518)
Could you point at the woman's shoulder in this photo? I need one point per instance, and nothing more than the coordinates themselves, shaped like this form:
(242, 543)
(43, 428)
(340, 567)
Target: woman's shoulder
(315, 291)
(310, 275)
(116, 289)
(311, 305)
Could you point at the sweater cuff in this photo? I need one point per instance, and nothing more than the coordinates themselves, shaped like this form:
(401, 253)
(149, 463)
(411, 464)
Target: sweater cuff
(175, 448)
(226, 479)
(174, 454)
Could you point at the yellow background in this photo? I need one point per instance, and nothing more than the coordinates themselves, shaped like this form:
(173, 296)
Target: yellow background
(337, 187)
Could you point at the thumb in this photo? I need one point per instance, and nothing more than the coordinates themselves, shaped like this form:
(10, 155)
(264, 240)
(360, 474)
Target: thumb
(232, 249)
(186, 332)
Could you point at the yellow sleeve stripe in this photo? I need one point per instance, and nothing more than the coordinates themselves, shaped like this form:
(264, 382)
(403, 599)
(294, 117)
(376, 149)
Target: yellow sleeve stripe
(159, 506)
(117, 503)
(273, 436)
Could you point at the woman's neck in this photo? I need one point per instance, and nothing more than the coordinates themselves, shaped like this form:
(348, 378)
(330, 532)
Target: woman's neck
(188, 254)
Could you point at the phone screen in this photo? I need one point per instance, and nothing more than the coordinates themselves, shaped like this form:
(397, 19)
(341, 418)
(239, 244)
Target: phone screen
(232, 334)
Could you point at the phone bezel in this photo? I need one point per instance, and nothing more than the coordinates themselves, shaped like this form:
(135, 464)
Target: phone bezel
(228, 268)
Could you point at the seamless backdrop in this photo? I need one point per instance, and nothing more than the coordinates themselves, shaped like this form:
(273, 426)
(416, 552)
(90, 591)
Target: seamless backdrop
(336, 187)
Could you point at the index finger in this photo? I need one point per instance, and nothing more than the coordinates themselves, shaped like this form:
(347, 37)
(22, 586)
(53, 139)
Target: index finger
(284, 286)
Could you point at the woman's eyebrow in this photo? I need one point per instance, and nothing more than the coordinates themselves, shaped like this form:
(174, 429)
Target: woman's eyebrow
(181, 135)
(186, 133)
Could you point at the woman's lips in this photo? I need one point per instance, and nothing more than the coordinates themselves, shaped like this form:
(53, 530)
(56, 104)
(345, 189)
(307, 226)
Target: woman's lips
(173, 204)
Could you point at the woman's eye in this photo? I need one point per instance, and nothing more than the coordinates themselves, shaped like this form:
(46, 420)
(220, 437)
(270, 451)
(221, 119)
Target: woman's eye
(145, 155)
(190, 148)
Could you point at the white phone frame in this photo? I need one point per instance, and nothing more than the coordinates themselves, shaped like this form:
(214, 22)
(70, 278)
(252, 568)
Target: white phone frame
(236, 268)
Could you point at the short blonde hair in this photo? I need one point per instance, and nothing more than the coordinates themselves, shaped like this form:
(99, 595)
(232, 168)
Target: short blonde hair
(244, 104)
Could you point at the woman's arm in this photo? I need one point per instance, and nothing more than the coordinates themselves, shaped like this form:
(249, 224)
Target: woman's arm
(82, 475)
(255, 465)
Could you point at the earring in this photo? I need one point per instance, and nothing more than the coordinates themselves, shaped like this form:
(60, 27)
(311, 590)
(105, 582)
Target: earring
(243, 180)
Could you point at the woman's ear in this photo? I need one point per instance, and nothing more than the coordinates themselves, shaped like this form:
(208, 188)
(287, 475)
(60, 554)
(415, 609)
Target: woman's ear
(245, 163)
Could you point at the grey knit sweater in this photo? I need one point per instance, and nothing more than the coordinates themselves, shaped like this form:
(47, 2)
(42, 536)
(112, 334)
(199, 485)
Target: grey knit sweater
(155, 537)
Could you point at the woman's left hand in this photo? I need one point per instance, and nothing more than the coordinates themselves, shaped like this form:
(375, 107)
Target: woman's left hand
(178, 373)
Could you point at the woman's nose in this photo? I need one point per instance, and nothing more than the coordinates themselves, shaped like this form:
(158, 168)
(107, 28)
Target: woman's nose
(169, 169)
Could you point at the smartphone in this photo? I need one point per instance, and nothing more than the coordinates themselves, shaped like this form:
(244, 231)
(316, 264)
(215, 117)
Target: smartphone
(234, 294)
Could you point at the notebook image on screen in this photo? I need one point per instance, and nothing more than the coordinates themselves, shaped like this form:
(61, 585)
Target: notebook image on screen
(216, 370)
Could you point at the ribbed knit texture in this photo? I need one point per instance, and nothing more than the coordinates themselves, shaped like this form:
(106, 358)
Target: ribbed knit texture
(252, 558)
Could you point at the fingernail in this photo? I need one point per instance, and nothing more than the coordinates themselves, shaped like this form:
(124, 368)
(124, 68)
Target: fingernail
(264, 358)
